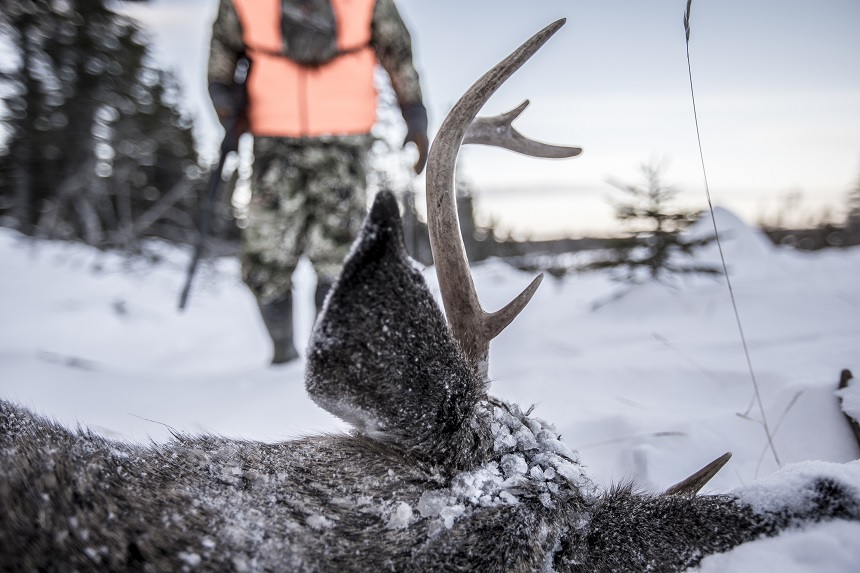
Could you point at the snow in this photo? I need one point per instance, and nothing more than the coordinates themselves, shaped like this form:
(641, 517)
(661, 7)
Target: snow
(648, 383)
(191, 559)
(792, 487)
(401, 516)
(830, 547)
(91, 338)
(319, 522)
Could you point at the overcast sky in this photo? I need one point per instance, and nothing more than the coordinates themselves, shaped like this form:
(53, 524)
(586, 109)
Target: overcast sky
(777, 86)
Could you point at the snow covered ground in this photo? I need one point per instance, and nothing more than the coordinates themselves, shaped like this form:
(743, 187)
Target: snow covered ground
(649, 385)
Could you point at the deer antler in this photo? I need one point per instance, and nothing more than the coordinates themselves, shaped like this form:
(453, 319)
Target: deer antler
(471, 326)
(498, 132)
(692, 484)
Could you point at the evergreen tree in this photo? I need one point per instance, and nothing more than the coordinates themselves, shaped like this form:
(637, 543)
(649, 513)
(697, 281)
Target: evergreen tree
(95, 148)
(654, 246)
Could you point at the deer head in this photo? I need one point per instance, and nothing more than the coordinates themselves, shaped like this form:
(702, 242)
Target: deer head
(426, 386)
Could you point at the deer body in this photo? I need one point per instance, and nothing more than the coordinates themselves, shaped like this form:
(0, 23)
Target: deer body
(438, 475)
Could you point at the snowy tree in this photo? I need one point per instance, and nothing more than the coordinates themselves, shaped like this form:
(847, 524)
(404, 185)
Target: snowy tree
(654, 246)
(95, 147)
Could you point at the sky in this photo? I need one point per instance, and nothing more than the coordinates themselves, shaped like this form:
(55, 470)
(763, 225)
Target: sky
(777, 86)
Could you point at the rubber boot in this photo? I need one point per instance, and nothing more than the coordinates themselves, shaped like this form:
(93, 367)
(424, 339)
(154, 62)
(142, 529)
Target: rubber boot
(323, 286)
(278, 317)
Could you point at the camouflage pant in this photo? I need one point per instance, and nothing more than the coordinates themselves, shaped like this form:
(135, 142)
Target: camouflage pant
(308, 197)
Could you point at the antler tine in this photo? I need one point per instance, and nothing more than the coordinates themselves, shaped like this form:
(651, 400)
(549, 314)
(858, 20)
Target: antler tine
(697, 481)
(498, 131)
(471, 326)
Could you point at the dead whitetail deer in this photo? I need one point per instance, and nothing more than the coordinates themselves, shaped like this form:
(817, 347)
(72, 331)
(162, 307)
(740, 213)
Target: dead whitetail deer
(437, 476)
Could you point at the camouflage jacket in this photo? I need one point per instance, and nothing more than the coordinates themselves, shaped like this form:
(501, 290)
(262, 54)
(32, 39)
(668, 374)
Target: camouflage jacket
(389, 37)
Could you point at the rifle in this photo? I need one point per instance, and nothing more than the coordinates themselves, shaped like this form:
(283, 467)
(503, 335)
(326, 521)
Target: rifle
(234, 126)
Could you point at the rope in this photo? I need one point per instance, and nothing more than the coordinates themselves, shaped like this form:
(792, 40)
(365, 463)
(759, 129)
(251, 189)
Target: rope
(720, 246)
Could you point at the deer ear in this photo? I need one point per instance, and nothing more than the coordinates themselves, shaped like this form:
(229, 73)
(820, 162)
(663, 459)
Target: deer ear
(381, 356)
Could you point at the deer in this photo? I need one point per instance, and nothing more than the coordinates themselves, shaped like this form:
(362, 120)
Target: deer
(436, 474)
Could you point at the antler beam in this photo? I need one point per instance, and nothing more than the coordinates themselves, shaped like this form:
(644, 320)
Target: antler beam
(471, 326)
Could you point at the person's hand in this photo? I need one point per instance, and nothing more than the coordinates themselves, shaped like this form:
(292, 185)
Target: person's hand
(229, 103)
(226, 101)
(415, 116)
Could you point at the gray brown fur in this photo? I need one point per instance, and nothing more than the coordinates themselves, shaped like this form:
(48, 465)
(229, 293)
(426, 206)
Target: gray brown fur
(368, 501)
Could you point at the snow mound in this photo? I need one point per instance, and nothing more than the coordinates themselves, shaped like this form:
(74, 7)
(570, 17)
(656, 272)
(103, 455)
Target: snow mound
(740, 241)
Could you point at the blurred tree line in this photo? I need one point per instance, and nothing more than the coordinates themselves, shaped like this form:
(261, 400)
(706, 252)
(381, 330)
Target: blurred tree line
(94, 146)
(820, 230)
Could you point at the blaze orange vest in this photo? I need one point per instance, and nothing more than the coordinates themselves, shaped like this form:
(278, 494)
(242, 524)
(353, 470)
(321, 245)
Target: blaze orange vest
(289, 100)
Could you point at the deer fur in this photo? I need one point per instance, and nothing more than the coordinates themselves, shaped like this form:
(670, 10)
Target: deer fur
(436, 476)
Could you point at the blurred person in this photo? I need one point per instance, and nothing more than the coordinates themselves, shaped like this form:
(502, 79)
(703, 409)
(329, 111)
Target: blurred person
(311, 104)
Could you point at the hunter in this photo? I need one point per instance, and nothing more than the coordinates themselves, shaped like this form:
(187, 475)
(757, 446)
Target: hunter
(311, 104)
